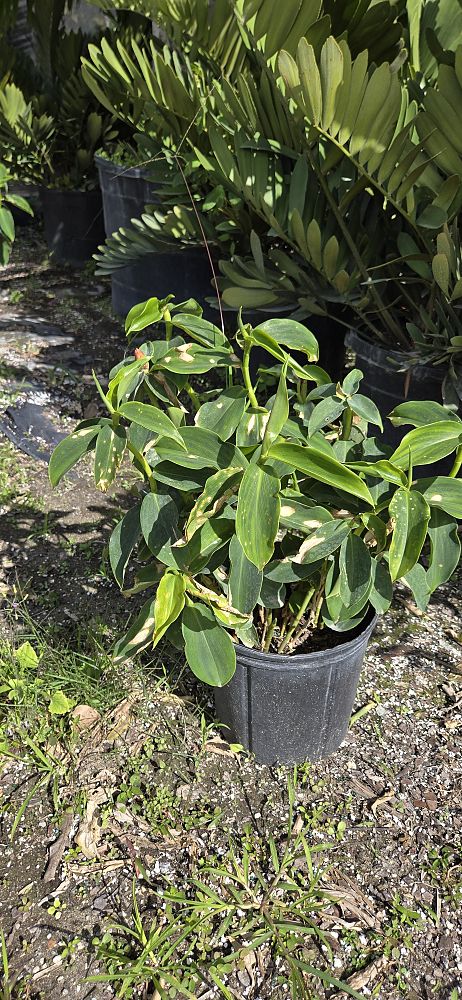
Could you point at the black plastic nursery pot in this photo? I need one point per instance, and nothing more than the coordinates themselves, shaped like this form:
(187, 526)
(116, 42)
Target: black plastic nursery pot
(388, 386)
(184, 273)
(125, 191)
(73, 223)
(291, 709)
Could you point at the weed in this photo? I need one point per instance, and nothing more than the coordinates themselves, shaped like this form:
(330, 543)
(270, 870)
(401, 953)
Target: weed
(261, 897)
(444, 868)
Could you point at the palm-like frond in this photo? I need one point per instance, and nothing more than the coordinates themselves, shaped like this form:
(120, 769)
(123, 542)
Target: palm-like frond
(363, 115)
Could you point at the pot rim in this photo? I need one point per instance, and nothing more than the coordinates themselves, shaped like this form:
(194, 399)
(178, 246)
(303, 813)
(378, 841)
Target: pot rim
(258, 658)
(379, 353)
(120, 168)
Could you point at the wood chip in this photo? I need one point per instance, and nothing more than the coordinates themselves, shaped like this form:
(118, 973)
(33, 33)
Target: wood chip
(361, 979)
(382, 799)
(56, 850)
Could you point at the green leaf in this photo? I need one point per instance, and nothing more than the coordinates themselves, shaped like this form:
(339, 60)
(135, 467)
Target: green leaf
(416, 580)
(364, 407)
(26, 656)
(432, 217)
(191, 359)
(6, 224)
(428, 444)
(331, 71)
(251, 428)
(224, 414)
(411, 514)
(325, 412)
(218, 489)
(184, 480)
(381, 470)
(311, 373)
(324, 541)
(110, 447)
(321, 467)
(195, 554)
(352, 381)
(209, 649)
(152, 418)
(310, 81)
(200, 329)
(356, 574)
(440, 268)
(301, 516)
(142, 315)
(278, 416)
(60, 704)
(68, 452)
(210, 449)
(138, 636)
(291, 334)
(445, 548)
(158, 520)
(381, 594)
(169, 603)
(257, 516)
(125, 536)
(245, 579)
(443, 492)
(419, 414)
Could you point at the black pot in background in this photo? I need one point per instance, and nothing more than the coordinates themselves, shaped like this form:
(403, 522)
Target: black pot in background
(184, 273)
(290, 709)
(125, 191)
(386, 385)
(73, 223)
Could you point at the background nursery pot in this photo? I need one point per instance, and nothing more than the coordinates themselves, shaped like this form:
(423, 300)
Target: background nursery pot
(388, 386)
(126, 191)
(73, 223)
(289, 709)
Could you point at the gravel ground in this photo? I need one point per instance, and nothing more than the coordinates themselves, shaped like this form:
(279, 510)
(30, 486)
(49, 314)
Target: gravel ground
(155, 793)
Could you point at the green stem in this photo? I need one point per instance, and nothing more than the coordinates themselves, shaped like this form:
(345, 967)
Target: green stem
(193, 396)
(457, 463)
(347, 421)
(269, 634)
(246, 373)
(144, 465)
(297, 619)
(168, 324)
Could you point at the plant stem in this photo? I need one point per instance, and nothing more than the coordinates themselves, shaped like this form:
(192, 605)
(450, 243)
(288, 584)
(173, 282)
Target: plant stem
(270, 633)
(246, 373)
(297, 619)
(144, 465)
(168, 324)
(457, 463)
(347, 420)
(193, 396)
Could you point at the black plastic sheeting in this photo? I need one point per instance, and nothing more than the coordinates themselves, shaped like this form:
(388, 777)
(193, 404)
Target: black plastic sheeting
(26, 423)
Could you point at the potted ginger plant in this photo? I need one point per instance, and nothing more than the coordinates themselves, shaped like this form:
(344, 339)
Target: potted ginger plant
(271, 525)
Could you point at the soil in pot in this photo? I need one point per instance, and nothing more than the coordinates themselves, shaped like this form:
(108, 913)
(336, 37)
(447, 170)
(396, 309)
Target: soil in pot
(73, 223)
(291, 709)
